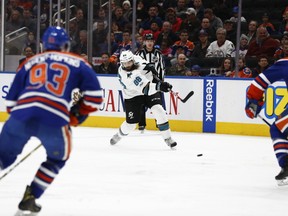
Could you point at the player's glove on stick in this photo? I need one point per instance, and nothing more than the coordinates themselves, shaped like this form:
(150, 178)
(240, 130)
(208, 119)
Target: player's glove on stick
(164, 86)
(76, 117)
(255, 101)
(253, 107)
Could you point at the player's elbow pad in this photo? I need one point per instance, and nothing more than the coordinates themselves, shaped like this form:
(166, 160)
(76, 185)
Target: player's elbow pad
(150, 89)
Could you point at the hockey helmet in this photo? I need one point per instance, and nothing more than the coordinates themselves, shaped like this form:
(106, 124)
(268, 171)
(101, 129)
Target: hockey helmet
(55, 38)
(149, 36)
(126, 59)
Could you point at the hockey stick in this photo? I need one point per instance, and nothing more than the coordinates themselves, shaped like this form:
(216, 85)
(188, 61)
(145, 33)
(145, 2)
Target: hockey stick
(23, 159)
(263, 119)
(185, 98)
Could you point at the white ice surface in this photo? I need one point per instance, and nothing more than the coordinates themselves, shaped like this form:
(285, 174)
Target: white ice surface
(141, 176)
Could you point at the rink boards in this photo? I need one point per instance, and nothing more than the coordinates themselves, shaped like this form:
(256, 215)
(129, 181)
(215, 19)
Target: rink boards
(217, 105)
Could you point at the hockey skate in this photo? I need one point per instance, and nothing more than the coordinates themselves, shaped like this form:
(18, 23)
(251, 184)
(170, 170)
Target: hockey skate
(141, 129)
(28, 206)
(282, 177)
(116, 138)
(170, 142)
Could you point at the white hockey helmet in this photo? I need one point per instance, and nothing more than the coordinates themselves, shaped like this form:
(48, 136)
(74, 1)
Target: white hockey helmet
(127, 59)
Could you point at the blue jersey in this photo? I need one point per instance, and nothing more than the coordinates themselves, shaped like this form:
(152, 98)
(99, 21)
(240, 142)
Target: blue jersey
(42, 88)
(278, 71)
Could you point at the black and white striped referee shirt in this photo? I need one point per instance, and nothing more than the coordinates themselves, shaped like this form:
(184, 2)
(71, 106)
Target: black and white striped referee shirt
(155, 56)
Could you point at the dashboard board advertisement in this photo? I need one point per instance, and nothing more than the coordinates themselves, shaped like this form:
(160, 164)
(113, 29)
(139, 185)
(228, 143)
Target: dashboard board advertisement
(217, 105)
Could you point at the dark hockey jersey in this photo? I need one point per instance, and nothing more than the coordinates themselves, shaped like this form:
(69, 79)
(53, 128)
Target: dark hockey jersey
(42, 88)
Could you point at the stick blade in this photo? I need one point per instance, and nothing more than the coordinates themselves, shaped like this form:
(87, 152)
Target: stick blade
(188, 96)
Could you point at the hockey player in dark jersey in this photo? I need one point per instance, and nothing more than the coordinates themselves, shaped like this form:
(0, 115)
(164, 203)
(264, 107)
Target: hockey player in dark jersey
(279, 128)
(39, 105)
(138, 89)
(154, 56)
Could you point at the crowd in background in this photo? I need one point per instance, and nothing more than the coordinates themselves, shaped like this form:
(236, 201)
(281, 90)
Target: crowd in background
(196, 37)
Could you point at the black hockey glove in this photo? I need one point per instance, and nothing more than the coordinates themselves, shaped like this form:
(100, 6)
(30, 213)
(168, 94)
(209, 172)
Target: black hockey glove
(164, 86)
(151, 67)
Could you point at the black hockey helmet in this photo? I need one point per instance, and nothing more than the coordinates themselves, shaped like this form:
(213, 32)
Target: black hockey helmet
(148, 37)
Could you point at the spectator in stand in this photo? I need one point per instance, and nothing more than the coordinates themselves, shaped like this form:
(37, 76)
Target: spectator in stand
(106, 67)
(267, 24)
(243, 46)
(101, 16)
(29, 21)
(230, 30)
(263, 44)
(252, 29)
(187, 45)
(263, 64)
(113, 44)
(99, 38)
(221, 47)
(195, 71)
(73, 33)
(179, 69)
(191, 23)
(28, 52)
(26, 4)
(234, 18)
(13, 5)
(199, 7)
(139, 41)
(282, 53)
(152, 16)
(227, 65)
(174, 59)
(284, 24)
(244, 71)
(201, 47)
(118, 34)
(81, 46)
(31, 42)
(118, 18)
(279, 52)
(141, 12)
(174, 20)
(15, 22)
(127, 10)
(181, 9)
(205, 25)
(169, 3)
(154, 29)
(220, 7)
(167, 34)
(125, 45)
(81, 22)
(215, 22)
(166, 51)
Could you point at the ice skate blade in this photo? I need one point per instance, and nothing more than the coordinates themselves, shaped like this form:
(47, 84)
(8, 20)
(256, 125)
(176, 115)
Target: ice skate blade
(282, 182)
(25, 213)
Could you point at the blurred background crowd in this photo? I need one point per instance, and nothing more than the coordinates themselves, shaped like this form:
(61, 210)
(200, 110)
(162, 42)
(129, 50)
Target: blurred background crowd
(196, 37)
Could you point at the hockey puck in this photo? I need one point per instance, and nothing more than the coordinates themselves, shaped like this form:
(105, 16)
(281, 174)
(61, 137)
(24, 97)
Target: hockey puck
(199, 155)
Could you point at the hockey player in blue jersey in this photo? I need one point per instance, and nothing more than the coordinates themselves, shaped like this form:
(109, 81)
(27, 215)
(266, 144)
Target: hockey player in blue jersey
(279, 128)
(38, 103)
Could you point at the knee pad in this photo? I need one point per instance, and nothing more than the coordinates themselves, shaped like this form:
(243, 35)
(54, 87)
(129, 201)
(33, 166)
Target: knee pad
(159, 114)
(126, 128)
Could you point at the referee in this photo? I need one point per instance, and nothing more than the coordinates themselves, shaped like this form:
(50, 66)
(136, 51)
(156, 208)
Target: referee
(153, 55)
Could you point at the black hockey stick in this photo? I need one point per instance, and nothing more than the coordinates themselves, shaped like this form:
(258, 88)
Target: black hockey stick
(185, 98)
(263, 119)
(17, 164)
